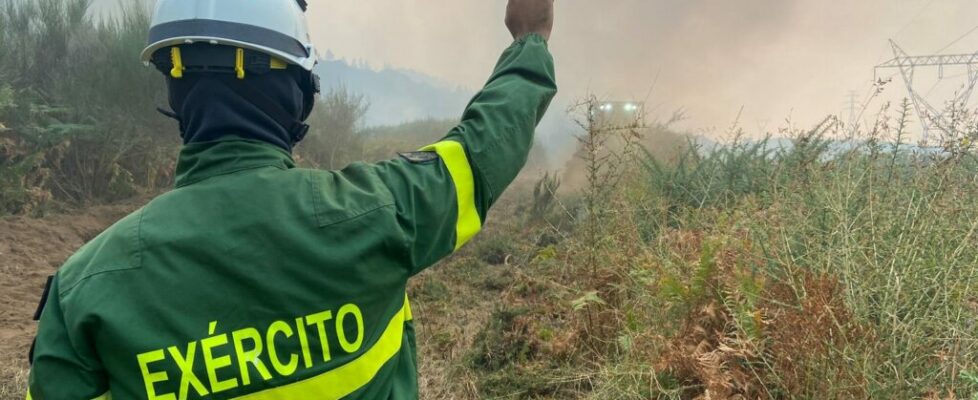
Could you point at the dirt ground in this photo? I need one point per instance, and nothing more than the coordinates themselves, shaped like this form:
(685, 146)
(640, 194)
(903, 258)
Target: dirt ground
(31, 249)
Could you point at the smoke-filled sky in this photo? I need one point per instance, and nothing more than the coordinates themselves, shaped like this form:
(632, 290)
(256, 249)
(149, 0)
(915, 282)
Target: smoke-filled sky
(774, 58)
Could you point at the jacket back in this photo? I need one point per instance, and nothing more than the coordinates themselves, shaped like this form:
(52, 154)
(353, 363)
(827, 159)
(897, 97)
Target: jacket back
(255, 279)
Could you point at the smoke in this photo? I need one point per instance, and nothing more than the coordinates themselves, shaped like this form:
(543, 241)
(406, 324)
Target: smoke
(775, 58)
(685, 53)
(772, 59)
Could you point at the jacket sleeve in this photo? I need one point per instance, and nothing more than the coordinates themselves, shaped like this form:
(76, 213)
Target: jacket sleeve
(443, 201)
(64, 365)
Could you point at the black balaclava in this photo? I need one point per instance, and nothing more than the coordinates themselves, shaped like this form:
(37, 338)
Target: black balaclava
(209, 109)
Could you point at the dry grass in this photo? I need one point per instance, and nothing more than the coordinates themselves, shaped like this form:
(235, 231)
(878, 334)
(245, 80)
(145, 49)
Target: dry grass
(829, 270)
(13, 383)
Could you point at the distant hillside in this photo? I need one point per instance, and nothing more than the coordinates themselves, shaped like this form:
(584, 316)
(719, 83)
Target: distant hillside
(395, 95)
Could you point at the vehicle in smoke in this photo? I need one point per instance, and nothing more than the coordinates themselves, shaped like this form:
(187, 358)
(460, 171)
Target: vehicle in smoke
(619, 113)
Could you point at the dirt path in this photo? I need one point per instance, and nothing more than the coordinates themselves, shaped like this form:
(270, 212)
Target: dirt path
(31, 249)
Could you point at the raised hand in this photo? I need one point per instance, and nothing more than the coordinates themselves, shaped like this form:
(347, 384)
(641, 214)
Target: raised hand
(524, 17)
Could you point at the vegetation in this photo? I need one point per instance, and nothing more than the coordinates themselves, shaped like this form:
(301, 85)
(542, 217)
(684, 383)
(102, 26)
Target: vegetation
(78, 118)
(819, 269)
(79, 122)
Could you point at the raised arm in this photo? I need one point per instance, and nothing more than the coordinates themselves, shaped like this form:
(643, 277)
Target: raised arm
(443, 193)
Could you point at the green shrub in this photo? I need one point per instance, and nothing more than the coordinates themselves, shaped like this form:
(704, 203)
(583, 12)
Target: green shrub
(505, 340)
(336, 137)
(84, 109)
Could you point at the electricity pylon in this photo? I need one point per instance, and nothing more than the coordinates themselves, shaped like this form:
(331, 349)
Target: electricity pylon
(932, 118)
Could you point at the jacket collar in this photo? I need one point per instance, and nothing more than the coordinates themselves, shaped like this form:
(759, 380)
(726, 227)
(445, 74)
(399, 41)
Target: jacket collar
(200, 161)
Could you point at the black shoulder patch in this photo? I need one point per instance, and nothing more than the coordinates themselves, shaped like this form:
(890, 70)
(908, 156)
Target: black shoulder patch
(419, 157)
(37, 317)
(44, 298)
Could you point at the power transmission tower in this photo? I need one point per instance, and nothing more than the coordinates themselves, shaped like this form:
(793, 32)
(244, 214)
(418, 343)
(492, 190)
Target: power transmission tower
(931, 118)
(853, 95)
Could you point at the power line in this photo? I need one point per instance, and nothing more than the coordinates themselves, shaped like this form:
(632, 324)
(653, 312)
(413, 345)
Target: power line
(915, 17)
(931, 90)
(958, 39)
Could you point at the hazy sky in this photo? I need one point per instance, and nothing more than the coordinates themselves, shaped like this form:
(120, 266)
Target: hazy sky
(776, 58)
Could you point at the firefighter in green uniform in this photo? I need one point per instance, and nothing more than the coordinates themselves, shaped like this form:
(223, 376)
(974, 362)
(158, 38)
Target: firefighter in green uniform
(254, 279)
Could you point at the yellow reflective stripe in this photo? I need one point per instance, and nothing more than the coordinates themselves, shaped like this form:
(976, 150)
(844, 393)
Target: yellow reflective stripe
(408, 315)
(468, 223)
(342, 381)
(29, 395)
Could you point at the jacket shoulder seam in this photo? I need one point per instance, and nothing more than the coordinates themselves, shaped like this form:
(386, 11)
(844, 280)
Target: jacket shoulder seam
(357, 215)
(321, 210)
(314, 185)
(229, 171)
(134, 263)
(64, 291)
(138, 262)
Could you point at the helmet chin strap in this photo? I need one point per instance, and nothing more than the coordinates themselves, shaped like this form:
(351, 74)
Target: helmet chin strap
(172, 115)
(296, 128)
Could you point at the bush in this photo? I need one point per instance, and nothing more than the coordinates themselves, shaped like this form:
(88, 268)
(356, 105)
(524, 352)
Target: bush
(84, 110)
(505, 340)
(335, 139)
(865, 241)
(22, 177)
(805, 267)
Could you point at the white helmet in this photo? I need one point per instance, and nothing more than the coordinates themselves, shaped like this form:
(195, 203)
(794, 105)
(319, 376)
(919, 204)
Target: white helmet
(274, 27)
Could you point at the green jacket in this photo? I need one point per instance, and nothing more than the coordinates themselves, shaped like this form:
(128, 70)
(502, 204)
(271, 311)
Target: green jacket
(255, 279)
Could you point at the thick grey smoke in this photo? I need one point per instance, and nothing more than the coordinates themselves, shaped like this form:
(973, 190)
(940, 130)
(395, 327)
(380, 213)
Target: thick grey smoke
(775, 58)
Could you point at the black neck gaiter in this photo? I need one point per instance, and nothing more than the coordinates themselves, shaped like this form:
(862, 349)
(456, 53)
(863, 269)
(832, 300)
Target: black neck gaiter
(209, 109)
